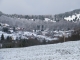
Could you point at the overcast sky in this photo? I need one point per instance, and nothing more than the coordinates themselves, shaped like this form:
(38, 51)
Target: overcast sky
(38, 7)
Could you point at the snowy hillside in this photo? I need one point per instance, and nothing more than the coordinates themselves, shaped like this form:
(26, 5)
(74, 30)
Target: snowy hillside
(73, 17)
(61, 51)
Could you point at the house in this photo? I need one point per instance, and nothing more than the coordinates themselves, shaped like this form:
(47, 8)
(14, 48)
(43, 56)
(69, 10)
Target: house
(11, 31)
(38, 32)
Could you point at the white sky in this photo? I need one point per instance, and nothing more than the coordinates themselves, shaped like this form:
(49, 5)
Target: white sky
(38, 7)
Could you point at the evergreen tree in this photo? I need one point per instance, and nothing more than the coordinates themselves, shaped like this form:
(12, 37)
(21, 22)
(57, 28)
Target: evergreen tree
(44, 41)
(9, 39)
(2, 37)
(14, 29)
(42, 29)
(5, 29)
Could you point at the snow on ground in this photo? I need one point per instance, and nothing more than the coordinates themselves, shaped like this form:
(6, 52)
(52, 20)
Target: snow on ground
(29, 33)
(72, 17)
(22, 35)
(39, 36)
(5, 35)
(46, 38)
(60, 51)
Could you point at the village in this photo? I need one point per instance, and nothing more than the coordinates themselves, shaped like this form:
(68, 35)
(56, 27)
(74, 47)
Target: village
(17, 33)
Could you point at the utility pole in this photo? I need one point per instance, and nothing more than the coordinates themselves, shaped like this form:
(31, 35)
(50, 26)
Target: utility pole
(64, 36)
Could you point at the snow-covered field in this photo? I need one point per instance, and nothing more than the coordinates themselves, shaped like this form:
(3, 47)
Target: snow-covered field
(60, 51)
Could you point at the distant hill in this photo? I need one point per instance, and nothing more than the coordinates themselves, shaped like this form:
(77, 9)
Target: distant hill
(1, 13)
(30, 22)
(42, 17)
(66, 14)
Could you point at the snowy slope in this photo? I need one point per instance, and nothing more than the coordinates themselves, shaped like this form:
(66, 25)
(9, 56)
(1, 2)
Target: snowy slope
(71, 18)
(61, 51)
